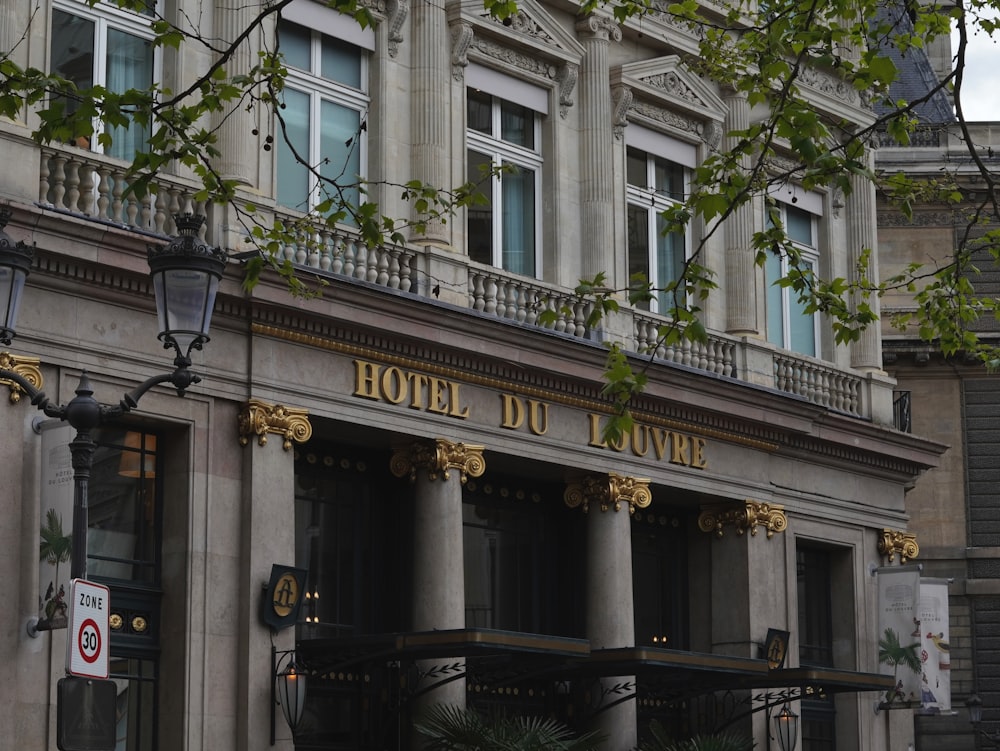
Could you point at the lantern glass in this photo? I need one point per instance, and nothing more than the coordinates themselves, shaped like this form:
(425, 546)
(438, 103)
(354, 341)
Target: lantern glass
(291, 690)
(786, 727)
(11, 286)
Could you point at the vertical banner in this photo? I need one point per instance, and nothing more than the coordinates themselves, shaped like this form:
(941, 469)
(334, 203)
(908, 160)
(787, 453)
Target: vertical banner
(899, 636)
(935, 676)
(56, 530)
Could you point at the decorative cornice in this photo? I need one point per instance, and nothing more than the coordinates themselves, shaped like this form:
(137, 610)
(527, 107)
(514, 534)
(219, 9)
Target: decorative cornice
(438, 457)
(398, 11)
(621, 100)
(527, 63)
(895, 541)
(749, 516)
(461, 40)
(610, 491)
(26, 367)
(260, 418)
(566, 77)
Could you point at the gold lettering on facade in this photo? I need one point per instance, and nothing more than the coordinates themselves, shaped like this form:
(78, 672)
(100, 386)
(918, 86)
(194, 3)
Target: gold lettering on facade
(515, 410)
(396, 385)
(676, 447)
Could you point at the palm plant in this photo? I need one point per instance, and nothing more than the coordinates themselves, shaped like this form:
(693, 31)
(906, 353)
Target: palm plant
(892, 652)
(660, 741)
(449, 728)
(54, 547)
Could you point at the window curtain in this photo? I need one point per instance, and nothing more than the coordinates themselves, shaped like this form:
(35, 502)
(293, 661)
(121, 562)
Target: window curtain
(129, 66)
(517, 191)
(340, 152)
(293, 176)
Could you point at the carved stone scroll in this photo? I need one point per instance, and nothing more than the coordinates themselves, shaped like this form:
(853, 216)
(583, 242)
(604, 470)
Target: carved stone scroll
(26, 367)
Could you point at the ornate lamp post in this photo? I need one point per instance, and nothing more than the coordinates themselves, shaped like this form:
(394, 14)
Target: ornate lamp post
(186, 275)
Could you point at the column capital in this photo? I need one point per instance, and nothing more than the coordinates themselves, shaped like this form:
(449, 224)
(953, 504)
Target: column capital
(26, 367)
(896, 541)
(599, 27)
(259, 418)
(609, 491)
(746, 516)
(438, 457)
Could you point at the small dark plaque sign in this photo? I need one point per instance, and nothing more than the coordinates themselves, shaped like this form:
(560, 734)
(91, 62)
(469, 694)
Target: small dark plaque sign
(85, 714)
(279, 607)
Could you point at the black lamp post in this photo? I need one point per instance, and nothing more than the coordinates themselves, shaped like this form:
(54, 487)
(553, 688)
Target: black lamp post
(186, 275)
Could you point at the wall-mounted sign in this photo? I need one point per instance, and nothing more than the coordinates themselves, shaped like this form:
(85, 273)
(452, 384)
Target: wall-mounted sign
(279, 606)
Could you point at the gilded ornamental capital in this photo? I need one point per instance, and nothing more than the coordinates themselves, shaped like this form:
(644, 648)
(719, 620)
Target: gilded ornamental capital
(438, 457)
(26, 367)
(894, 542)
(609, 491)
(748, 516)
(260, 418)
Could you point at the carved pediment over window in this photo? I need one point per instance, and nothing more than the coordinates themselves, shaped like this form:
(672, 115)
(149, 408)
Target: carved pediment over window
(664, 94)
(529, 44)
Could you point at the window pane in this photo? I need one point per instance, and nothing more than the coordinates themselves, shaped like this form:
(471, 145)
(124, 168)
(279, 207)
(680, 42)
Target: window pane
(136, 704)
(73, 55)
(798, 225)
(479, 112)
(129, 66)
(341, 62)
(635, 168)
(294, 42)
(669, 263)
(480, 217)
(638, 246)
(801, 324)
(293, 177)
(517, 124)
(518, 198)
(339, 148)
(669, 178)
(775, 309)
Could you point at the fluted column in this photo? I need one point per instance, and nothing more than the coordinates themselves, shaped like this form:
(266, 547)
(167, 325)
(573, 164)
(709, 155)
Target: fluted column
(596, 144)
(610, 609)
(235, 124)
(430, 110)
(866, 352)
(438, 469)
(741, 272)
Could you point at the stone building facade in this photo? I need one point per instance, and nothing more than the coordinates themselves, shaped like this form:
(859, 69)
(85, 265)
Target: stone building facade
(417, 438)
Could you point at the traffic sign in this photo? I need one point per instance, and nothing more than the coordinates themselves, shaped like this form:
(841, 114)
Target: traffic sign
(87, 640)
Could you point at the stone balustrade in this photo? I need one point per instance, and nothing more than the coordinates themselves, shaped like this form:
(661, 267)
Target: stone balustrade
(91, 185)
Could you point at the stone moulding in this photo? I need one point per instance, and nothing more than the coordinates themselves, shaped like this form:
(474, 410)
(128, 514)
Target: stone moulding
(609, 491)
(438, 457)
(26, 367)
(893, 542)
(746, 517)
(260, 418)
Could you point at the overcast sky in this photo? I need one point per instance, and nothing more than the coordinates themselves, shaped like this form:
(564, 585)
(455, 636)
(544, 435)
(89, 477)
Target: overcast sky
(981, 79)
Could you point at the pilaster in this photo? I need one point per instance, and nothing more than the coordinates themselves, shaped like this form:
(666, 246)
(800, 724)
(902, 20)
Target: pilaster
(235, 125)
(741, 270)
(866, 352)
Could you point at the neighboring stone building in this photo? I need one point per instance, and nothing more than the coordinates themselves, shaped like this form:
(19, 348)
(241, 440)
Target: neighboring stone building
(953, 400)
(415, 439)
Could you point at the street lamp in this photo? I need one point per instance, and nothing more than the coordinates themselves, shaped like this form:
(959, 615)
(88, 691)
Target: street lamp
(288, 688)
(186, 275)
(786, 727)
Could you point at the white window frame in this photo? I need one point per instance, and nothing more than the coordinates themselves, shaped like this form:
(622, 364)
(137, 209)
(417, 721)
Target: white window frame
(319, 89)
(655, 202)
(498, 151)
(809, 254)
(105, 17)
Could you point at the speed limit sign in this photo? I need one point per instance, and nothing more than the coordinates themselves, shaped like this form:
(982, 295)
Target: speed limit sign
(87, 638)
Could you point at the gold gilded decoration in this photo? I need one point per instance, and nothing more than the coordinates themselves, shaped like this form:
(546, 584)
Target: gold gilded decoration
(749, 516)
(26, 367)
(260, 418)
(115, 621)
(139, 624)
(286, 595)
(438, 457)
(895, 541)
(609, 491)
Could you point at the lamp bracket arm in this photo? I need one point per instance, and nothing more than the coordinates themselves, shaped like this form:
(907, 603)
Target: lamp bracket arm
(180, 378)
(36, 395)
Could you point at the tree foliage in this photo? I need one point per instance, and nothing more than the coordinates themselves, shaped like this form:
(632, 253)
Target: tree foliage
(448, 728)
(762, 50)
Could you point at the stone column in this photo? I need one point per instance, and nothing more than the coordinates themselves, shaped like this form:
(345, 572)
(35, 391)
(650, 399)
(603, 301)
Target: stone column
(741, 271)
(430, 106)
(866, 352)
(610, 611)
(438, 560)
(234, 125)
(597, 188)
(267, 536)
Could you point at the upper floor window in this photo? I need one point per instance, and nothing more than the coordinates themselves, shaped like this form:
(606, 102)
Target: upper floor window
(104, 46)
(654, 184)
(789, 325)
(504, 231)
(325, 102)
